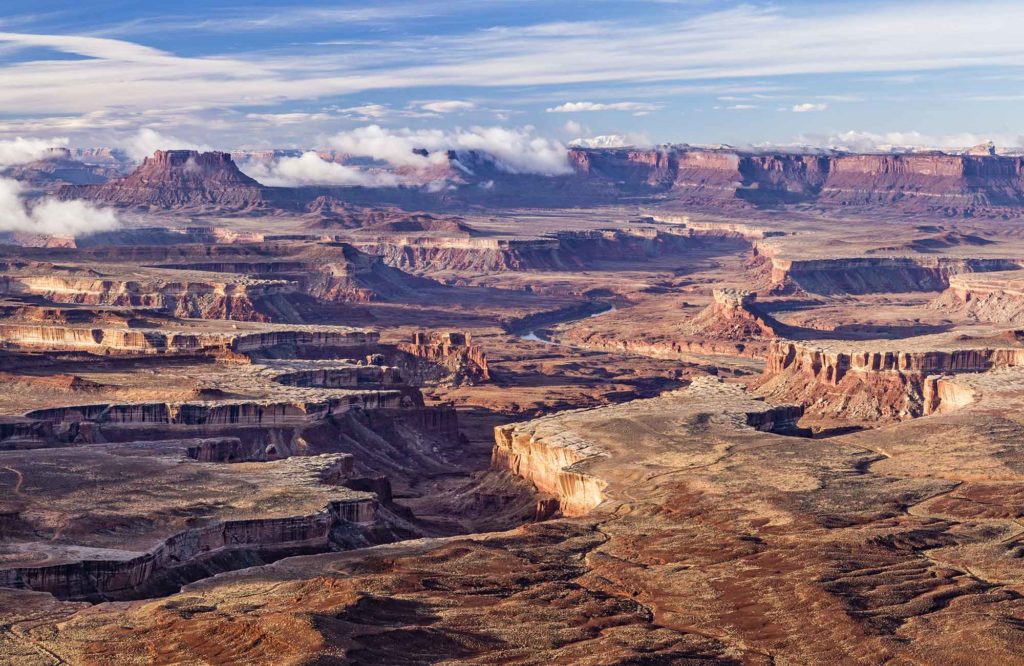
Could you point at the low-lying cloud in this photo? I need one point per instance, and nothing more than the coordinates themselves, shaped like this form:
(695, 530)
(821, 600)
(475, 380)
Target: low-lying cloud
(50, 216)
(147, 141)
(855, 141)
(310, 169)
(515, 150)
(627, 140)
(22, 151)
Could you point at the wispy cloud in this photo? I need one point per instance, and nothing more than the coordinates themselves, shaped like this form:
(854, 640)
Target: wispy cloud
(576, 107)
(760, 44)
(808, 106)
(448, 106)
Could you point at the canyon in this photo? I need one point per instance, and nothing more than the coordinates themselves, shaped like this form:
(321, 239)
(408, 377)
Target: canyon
(680, 405)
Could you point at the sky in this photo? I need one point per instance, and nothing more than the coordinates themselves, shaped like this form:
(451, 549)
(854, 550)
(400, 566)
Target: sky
(257, 74)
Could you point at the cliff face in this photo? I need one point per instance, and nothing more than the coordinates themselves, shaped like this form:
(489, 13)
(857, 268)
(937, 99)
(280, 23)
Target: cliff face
(871, 384)
(934, 182)
(451, 351)
(993, 297)
(920, 183)
(548, 465)
(865, 275)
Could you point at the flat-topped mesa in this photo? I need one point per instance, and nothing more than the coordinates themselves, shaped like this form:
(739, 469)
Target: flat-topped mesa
(155, 557)
(870, 384)
(451, 350)
(563, 250)
(18, 432)
(132, 341)
(326, 270)
(972, 183)
(226, 412)
(342, 376)
(866, 275)
(178, 179)
(232, 297)
(991, 297)
(579, 456)
(236, 450)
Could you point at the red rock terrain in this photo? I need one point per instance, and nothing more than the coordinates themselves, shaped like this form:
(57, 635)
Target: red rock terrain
(919, 184)
(607, 435)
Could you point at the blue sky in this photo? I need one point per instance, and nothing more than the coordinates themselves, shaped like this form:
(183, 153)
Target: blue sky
(260, 74)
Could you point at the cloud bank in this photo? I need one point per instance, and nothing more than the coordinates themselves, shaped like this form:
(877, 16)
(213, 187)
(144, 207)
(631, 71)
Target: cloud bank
(515, 150)
(50, 216)
(855, 141)
(310, 169)
(21, 151)
(147, 141)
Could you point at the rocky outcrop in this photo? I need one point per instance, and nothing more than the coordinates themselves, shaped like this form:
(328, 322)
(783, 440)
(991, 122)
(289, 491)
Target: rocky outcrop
(870, 384)
(866, 275)
(733, 315)
(226, 412)
(991, 297)
(132, 341)
(452, 351)
(243, 299)
(326, 270)
(561, 251)
(550, 465)
(977, 183)
(56, 170)
(560, 456)
(937, 183)
(268, 539)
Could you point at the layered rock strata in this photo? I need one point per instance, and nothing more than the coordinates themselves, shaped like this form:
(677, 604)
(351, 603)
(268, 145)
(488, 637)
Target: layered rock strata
(559, 456)
(159, 341)
(996, 297)
(454, 351)
(872, 384)
(87, 569)
(179, 179)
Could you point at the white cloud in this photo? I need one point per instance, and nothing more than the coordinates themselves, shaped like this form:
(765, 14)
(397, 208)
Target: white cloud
(147, 141)
(311, 169)
(289, 118)
(368, 111)
(855, 141)
(628, 140)
(21, 151)
(749, 41)
(576, 107)
(50, 216)
(808, 106)
(516, 150)
(448, 106)
(573, 128)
